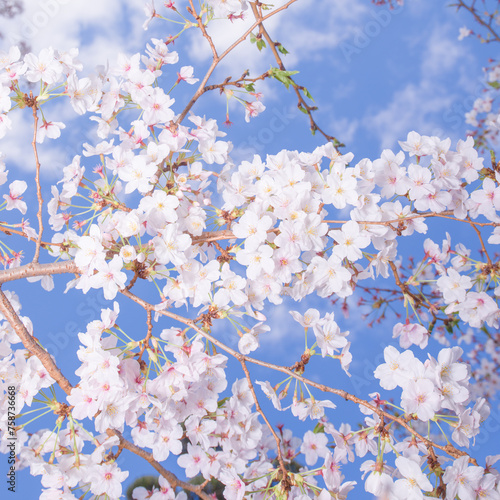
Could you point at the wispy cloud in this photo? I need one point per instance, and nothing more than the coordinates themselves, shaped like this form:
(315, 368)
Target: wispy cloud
(18, 149)
(422, 103)
(98, 28)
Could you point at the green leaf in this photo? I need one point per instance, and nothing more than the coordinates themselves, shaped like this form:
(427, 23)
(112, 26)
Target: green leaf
(282, 49)
(308, 94)
(250, 87)
(283, 72)
(304, 110)
(319, 428)
(495, 85)
(283, 76)
(261, 44)
(220, 404)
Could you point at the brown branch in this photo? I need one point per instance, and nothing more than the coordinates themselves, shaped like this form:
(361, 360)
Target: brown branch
(209, 236)
(37, 180)
(435, 467)
(471, 222)
(193, 12)
(477, 17)
(145, 341)
(241, 82)
(302, 104)
(8, 231)
(32, 345)
(133, 280)
(417, 301)
(226, 234)
(117, 205)
(32, 269)
(481, 241)
(34, 348)
(411, 217)
(169, 476)
(284, 472)
(404, 287)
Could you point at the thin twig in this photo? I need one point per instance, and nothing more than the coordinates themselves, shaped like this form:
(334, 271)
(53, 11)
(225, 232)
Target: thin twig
(479, 20)
(481, 241)
(199, 20)
(169, 476)
(302, 104)
(241, 359)
(37, 180)
(444, 215)
(241, 82)
(145, 341)
(8, 231)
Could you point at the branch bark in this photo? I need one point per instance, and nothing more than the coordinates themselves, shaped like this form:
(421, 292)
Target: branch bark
(35, 269)
(32, 345)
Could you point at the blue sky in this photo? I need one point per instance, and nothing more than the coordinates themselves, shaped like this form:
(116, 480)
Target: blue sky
(375, 75)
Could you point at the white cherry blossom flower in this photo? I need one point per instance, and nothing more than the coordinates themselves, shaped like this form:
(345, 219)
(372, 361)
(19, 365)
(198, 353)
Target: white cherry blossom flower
(14, 200)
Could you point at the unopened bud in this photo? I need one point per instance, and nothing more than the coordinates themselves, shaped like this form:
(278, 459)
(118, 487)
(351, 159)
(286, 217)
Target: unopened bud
(152, 355)
(132, 345)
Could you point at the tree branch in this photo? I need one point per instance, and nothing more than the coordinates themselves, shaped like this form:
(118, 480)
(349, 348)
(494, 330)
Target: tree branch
(34, 107)
(284, 472)
(35, 269)
(174, 481)
(32, 345)
(301, 102)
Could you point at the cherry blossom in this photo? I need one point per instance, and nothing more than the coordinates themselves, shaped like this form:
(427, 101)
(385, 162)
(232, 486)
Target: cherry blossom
(413, 482)
(410, 334)
(43, 67)
(107, 479)
(13, 200)
(186, 75)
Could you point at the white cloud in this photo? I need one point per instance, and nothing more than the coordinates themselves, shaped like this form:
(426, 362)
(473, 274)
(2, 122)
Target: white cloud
(345, 129)
(420, 8)
(284, 329)
(16, 145)
(99, 28)
(409, 110)
(421, 104)
(317, 26)
(443, 53)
